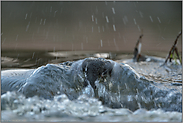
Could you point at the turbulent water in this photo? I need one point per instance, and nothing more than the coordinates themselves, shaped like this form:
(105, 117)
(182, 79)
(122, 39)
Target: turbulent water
(91, 89)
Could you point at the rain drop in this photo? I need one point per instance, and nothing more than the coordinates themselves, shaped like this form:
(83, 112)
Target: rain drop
(44, 22)
(65, 30)
(26, 16)
(16, 37)
(27, 26)
(124, 40)
(33, 55)
(4, 40)
(82, 46)
(51, 9)
(151, 18)
(163, 38)
(55, 13)
(98, 29)
(96, 20)
(92, 28)
(139, 27)
(103, 28)
(135, 21)
(107, 19)
(124, 21)
(41, 21)
(38, 30)
(141, 15)
(113, 11)
(114, 27)
(72, 46)
(101, 43)
(159, 20)
(115, 44)
(96, 10)
(86, 39)
(31, 15)
(92, 18)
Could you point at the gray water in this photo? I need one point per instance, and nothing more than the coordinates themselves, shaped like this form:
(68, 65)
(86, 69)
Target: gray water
(126, 93)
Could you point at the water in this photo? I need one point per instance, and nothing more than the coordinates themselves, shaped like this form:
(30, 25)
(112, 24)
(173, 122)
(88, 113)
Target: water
(110, 93)
(39, 34)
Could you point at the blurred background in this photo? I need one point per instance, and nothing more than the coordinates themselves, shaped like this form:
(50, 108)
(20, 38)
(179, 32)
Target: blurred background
(88, 26)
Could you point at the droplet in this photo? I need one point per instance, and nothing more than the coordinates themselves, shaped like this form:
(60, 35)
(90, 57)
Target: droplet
(141, 15)
(41, 21)
(114, 27)
(44, 22)
(151, 18)
(163, 38)
(107, 19)
(26, 16)
(103, 28)
(55, 13)
(51, 9)
(96, 20)
(30, 14)
(101, 43)
(33, 55)
(72, 46)
(115, 44)
(99, 29)
(135, 21)
(92, 18)
(16, 37)
(27, 26)
(113, 11)
(82, 46)
(139, 27)
(159, 20)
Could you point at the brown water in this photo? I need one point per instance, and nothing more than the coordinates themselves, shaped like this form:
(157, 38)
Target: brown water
(89, 26)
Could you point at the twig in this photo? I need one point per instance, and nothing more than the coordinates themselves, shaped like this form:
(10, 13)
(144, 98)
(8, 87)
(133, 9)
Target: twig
(137, 49)
(174, 48)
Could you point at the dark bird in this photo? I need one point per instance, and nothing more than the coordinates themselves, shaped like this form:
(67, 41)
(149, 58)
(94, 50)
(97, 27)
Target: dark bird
(96, 68)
